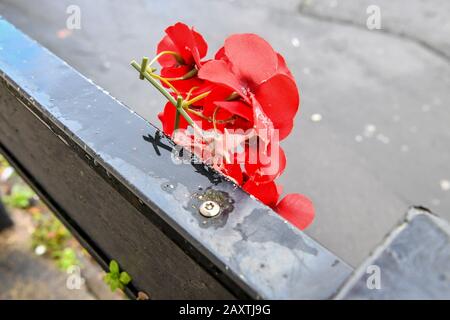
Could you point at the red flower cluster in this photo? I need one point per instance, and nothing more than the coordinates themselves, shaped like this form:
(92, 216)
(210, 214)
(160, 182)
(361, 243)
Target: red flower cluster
(246, 94)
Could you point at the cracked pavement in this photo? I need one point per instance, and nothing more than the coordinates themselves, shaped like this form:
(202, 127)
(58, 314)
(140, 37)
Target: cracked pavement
(382, 142)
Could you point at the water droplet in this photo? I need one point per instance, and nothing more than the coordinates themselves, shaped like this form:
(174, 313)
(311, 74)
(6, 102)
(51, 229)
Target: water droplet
(404, 148)
(295, 42)
(445, 185)
(106, 65)
(168, 186)
(383, 138)
(359, 138)
(369, 130)
(316, 117)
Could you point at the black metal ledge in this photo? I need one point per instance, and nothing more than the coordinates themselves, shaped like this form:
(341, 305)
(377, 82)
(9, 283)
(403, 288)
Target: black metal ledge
(413, 262)
(109, 176)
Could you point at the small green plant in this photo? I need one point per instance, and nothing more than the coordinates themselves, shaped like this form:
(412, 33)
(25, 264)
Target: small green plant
(116, 279)
(20, 197)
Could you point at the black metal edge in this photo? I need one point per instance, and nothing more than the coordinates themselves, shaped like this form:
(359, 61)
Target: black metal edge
(391, 236)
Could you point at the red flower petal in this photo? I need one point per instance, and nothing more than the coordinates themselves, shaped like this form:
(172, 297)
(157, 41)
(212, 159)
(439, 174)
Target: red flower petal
(218, 71)
(262, 123)
(253, 58)
(181, 85)
(297, 209)
(217, 93)
(167, 118)
(220, 55)
(201, 47)
(234, 171)
(279, 100)
(267, 193)
(268, 169)
(282, 67)
(185, 41)
(166, 44)
(237, 107)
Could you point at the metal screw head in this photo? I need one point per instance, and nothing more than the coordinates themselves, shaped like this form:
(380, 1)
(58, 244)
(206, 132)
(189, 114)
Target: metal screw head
(209, 209)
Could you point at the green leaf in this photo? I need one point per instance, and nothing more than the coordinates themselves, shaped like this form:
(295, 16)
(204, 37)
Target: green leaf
(115, 279)
(125, 278)
(114, 267)
(114, 285)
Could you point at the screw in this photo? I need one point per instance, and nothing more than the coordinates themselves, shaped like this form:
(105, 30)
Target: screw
(209, 209)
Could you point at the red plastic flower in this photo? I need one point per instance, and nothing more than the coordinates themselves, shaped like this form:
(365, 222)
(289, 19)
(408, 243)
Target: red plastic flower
(246, 94)
(182, 50)
(249, 66)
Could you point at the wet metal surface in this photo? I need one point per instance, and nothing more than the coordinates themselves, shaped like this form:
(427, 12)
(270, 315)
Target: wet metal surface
(247, 244)
(413, 263)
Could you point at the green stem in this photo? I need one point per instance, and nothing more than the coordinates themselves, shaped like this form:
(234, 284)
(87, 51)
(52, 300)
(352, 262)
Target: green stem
(177, 115)
(143, 67)
(155, 83)
(166, 94)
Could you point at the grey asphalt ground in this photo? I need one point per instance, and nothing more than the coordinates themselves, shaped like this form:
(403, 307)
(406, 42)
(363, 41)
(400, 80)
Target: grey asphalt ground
(383, 140)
